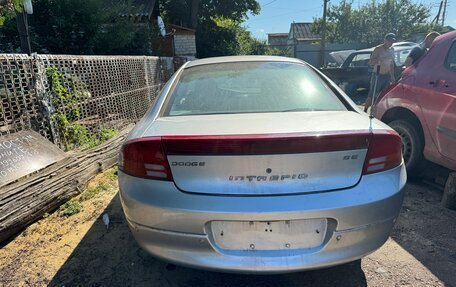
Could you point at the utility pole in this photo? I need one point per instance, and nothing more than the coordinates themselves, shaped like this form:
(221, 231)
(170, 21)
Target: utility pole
(444, 12)
(437, 18)
(22, 25)
(323, 34)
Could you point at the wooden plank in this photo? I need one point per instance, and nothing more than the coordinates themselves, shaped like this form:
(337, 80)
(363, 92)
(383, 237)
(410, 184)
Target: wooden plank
(27, 200)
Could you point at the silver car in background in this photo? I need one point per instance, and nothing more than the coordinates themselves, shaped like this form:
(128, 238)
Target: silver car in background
(259, 165)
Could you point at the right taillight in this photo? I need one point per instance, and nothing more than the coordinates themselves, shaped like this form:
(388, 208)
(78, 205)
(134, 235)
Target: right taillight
(145, 158)
(385, 152)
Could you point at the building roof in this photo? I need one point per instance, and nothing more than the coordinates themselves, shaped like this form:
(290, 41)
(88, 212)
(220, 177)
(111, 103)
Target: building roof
(303, 31)
(173, 26)
(145, 8)
(277, 34)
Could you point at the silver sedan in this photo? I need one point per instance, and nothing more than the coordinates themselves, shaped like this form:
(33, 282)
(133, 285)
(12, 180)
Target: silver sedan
(259, 165)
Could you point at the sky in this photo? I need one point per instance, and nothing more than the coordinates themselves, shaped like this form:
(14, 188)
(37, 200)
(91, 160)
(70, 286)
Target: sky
(277, 15)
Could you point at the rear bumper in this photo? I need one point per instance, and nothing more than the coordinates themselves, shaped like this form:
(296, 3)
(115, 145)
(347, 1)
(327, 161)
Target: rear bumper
(173, 225)
(198, 251)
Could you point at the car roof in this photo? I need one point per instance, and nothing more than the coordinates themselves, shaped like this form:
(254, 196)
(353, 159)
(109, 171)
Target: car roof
(232, 59)
(448, 36)
(404, 44)
(395, 48)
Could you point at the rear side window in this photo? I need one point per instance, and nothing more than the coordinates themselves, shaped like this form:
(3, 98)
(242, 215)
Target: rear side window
(360, 60)
(250, 87)
(400, 57)
(450, 61)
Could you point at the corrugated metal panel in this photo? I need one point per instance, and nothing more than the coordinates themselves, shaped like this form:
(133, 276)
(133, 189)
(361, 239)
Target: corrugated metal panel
(304, 31)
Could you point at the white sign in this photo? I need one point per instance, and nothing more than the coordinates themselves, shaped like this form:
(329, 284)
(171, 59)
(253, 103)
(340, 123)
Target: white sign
(161, 26)
(28, 8)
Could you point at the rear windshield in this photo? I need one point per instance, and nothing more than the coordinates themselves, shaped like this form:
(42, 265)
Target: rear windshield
(250, 87)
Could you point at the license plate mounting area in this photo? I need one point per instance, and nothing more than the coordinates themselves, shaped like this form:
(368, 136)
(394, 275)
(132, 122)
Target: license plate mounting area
(269, 235)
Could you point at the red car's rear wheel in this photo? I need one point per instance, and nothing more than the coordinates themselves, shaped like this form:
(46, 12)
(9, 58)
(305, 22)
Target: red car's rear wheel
(412, 144)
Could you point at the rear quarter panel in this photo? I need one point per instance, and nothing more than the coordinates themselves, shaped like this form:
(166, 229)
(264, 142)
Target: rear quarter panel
(403, 97)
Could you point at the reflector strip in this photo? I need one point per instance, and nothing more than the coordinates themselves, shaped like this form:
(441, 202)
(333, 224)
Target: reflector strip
(376, 167)
(156, 174)
(154, 166)
(377, 160)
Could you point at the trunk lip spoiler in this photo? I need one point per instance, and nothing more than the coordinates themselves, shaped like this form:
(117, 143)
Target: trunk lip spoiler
(266, 144)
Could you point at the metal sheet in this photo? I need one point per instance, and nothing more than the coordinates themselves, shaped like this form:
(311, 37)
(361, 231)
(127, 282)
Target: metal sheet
(25, 152)
(273, 235)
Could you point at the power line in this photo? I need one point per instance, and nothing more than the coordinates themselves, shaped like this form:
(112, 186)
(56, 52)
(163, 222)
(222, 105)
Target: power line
(284, 14)
(269, 3)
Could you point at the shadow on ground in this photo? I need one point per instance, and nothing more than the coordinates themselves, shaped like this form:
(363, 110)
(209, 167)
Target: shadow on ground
(112, 258)
(428, 231)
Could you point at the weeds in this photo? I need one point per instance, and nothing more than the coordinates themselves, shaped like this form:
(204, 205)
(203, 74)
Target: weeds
(66, 93)
(70, 208)
(91, 192)
(112, 173)
(75, 205)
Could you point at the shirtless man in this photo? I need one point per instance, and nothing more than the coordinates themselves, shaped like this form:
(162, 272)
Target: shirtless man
(382, 56)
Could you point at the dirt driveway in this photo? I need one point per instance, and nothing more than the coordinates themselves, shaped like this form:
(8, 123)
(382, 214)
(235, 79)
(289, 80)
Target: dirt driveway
(78, 250)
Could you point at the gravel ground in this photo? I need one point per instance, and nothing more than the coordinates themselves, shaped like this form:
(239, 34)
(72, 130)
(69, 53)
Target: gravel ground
(78, 250)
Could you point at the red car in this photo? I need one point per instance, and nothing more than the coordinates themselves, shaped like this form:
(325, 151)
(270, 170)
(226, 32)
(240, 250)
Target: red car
(421, 106)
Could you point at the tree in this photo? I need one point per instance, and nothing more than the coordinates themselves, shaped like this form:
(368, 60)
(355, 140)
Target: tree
(217, 22)
(226, 38)
(249, 45)
(192, 13)
(82, 27)
(8, 9)
(370, 22)
(96, 27)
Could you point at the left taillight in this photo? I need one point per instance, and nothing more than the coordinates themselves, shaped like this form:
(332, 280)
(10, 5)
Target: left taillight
(145, 158)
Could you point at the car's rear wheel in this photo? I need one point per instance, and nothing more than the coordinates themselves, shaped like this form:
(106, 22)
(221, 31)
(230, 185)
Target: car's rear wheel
(412, 145)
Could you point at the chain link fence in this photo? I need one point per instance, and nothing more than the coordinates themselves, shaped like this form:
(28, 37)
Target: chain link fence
(95, 92)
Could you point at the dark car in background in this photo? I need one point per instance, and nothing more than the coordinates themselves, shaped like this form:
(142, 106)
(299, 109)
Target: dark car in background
(353, 76)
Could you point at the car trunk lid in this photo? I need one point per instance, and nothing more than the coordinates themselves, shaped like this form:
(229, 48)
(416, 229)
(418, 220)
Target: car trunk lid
(315, 153)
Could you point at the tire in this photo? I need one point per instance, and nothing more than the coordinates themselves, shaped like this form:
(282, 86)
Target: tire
(412, 145)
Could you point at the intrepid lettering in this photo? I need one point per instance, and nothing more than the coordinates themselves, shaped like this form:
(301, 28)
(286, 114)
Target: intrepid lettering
(257, 178)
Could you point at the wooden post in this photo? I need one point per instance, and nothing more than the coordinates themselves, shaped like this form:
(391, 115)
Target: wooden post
(22, 27)
(449, 193)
